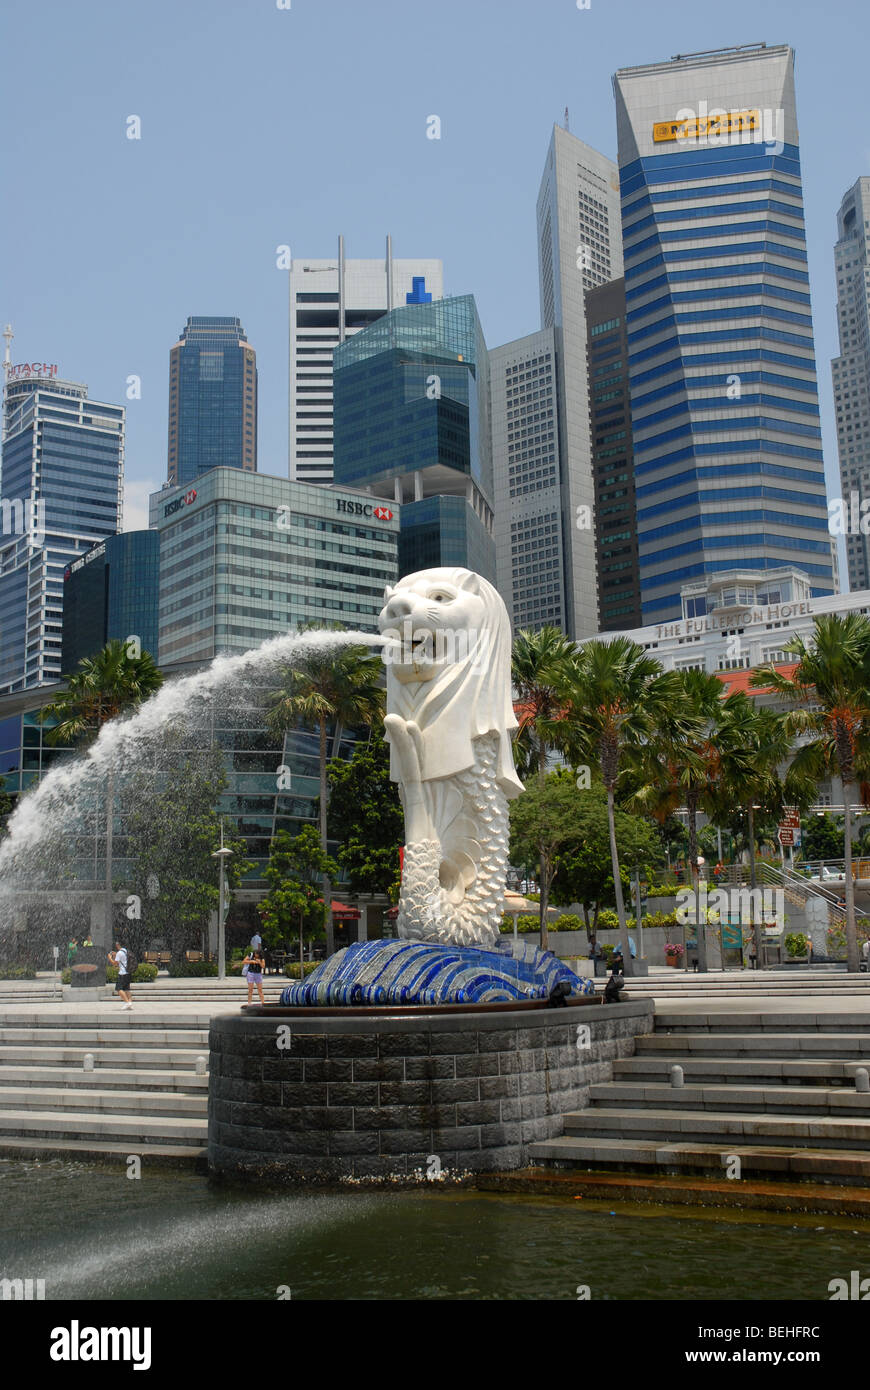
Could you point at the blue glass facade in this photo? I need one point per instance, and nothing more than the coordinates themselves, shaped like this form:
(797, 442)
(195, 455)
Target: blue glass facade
(62, 470)
(212, 399)
(411, 423)
(724, 399)
(112, 593)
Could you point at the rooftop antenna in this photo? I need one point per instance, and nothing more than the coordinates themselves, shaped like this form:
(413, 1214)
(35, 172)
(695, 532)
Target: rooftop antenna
(567, 126)
(8, 335)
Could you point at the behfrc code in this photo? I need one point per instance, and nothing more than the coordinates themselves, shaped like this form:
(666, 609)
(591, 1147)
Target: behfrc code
(75, 1343)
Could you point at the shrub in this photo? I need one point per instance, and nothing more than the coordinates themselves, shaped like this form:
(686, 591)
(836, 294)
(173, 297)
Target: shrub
(836, 943)
(608, 920)
(144, 974)
(796, 944)
(607, 950)
(292, 970)
(15, 971)
(569, 921)
(192, 969)
(660, 919)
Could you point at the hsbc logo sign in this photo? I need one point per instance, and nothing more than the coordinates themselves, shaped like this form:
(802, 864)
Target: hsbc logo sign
(380, 513)
(183, 501)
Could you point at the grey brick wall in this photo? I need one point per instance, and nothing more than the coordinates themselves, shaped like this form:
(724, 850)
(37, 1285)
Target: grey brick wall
(371, 1097)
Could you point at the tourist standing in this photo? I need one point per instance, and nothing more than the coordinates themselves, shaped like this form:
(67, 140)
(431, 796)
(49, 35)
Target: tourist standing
(120, 958)
(254, 972)
(256, 941)
(72, 949)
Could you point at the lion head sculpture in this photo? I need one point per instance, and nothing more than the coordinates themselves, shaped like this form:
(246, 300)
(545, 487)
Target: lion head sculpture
(447, 655)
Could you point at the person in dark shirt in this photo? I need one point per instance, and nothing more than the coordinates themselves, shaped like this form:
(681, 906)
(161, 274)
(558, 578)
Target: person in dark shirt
(255, 966)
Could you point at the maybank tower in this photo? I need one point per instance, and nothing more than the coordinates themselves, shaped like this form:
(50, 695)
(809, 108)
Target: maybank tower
(724, 403)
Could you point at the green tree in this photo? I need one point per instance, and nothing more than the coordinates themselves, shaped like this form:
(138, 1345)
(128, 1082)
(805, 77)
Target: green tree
(297, 866)
(173, 830)
(619, 698)
(543, 821)
(365, 816)
(7, 806)
(327, 685)
(541, 668)
(583, 870)
(103, 687)
(831, 685)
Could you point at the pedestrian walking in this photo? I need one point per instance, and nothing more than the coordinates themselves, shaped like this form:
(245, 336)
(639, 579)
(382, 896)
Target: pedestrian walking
(256, 941)
(252, 968)
(120, 958)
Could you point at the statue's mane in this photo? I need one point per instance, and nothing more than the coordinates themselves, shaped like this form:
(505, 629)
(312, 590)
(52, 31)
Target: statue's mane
(471, 697)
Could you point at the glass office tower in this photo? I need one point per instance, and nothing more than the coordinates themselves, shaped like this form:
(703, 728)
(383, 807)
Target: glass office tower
(851, 372)
(111, 594)
(724, 403)
(212, 400)
(62, 480)
(412, 426)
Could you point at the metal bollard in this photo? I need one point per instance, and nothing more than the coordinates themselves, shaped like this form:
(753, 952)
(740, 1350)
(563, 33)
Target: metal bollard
(676, 1076)
(201, 1066)
(88, 1062)
(862, 1079)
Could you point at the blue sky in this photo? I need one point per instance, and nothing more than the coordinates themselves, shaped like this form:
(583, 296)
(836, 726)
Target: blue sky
(263, 126)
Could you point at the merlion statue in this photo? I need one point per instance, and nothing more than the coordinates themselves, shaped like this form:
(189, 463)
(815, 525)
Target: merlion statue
(448, 723)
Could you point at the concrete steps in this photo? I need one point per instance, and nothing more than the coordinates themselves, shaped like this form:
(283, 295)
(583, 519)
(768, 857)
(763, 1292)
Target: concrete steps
(770, 1100)
(143, 1096)
(92, 1099)
(774, 1088)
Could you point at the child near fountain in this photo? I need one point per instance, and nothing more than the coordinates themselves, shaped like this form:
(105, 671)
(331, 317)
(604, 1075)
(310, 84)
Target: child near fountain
(256, 964)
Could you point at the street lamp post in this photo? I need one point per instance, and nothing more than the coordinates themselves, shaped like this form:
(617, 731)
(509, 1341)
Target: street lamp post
(221, 856)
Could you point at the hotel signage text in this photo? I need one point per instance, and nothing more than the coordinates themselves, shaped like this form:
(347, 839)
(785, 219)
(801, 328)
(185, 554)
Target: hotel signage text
(745, 617)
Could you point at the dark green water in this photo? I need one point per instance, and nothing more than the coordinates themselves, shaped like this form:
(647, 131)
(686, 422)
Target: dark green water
(92, 1233)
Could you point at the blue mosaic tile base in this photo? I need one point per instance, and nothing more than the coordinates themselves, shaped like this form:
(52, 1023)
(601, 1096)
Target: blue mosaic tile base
(424, 972)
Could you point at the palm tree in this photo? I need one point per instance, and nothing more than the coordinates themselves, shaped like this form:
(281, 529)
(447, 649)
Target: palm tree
(754, 743)
(680, 764)
(541, 669)
(620, 696)
(341, 686)
(104, 686)
(831, 683)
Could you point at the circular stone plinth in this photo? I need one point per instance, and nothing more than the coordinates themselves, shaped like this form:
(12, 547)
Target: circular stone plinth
(324, 1095)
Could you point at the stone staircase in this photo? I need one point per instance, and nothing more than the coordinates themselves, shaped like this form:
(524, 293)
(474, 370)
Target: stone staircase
(143, 1096)
(775, 1090)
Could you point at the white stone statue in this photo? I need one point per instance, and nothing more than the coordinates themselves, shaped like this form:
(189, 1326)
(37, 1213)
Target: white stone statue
(448, 722)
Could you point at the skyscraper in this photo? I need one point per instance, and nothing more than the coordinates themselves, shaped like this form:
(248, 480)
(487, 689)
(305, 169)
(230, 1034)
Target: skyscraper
(532, 551)
(724, 404)
(212, 399)
(579, 247)
(246, 558)
(330, 301)
(610, 415)
(111, 594)
(412, 426)
(851, 370)
(62, 480)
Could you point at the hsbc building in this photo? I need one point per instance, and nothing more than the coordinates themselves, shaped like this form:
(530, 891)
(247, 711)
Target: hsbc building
(245, 556)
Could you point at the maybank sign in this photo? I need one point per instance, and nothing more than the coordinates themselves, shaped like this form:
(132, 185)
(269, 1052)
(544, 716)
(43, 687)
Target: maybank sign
(704, 128)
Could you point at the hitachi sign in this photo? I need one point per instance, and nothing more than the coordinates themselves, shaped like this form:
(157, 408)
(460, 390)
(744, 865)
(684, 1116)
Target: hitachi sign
(26, 369)
(183, 500)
